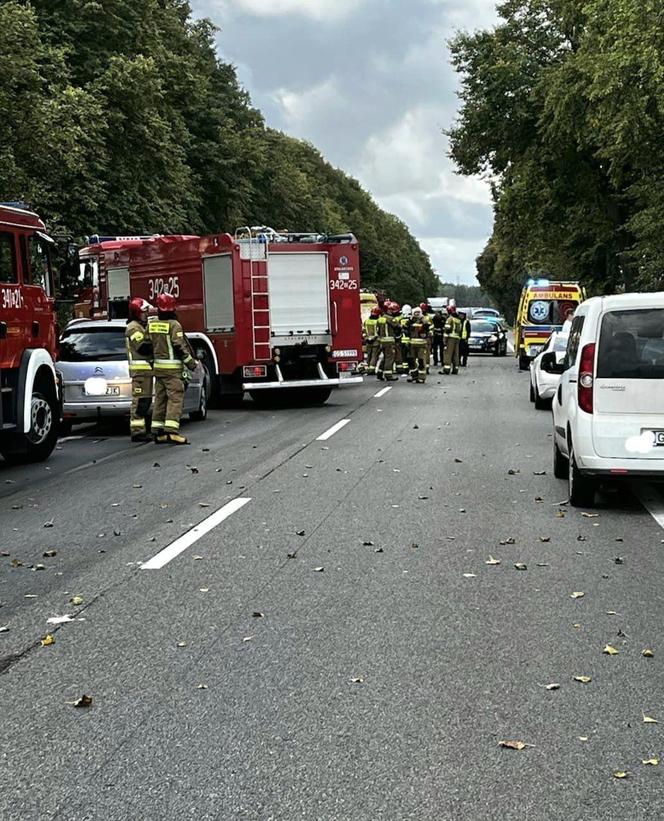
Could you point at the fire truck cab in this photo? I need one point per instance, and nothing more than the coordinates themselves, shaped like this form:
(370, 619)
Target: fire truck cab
(273, 314)
(30, 404)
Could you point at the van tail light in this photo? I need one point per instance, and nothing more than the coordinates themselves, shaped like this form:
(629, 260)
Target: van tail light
(587, 378)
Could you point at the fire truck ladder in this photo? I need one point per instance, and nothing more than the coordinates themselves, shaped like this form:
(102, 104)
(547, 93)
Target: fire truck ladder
(254, 247)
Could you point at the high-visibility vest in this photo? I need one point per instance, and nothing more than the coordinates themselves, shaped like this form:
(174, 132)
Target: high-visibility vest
(419, 331)
(135, 338)
(385, 330)
(371, 328)
(405, 330)
(453, 327)
(171, 351)
(465, 329)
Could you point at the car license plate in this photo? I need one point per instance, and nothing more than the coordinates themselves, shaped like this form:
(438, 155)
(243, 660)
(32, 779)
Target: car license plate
(113, 390)
(535, 349)
(658, 438)
(346, 374)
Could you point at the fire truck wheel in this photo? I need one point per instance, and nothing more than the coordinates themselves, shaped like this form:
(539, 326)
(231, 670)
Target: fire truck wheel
(38, 443)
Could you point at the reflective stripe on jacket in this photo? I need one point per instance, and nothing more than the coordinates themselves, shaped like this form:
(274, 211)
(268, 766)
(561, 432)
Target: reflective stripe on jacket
(370, 328)
(465, 329)
(419, 331)
(385, 330)
(138, 345)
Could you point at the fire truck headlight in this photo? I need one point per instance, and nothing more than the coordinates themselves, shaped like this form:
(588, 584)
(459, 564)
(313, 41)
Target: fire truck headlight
(95, 386)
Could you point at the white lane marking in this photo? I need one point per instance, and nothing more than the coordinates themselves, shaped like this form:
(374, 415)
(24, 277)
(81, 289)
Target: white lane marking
(180, 545)
(328, 433)
(652, 501)
(382, 393)
(70, 438)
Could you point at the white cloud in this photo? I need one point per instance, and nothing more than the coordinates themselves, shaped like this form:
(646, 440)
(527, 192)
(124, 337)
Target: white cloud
(318, 9)
(453, 259)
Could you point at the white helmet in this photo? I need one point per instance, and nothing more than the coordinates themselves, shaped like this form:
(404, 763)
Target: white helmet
(416, 310)
(406, 311)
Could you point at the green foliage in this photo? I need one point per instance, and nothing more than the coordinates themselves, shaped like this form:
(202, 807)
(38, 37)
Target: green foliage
(562, 104)
(118, 117)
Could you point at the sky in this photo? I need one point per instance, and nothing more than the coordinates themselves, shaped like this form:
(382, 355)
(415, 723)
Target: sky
(368, 82)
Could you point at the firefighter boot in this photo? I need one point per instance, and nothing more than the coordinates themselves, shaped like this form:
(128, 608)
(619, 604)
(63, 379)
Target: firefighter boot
(176, 439)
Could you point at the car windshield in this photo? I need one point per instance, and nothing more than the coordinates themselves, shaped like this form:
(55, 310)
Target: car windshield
(631, 345)
(482, 327)
(93, 345)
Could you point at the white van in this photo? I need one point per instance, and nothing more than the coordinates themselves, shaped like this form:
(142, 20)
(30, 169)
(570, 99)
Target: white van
(608, 411)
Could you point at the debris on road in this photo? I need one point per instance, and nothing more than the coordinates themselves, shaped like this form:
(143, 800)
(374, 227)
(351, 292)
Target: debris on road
(514, 745)
(48, 640)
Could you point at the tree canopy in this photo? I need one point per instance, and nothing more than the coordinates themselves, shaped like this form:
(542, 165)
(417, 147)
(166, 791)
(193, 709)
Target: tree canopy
(119, 118)
(562, 106)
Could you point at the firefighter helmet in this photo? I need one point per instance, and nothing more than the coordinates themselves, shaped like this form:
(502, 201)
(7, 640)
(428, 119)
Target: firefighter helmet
(424, 307)
(451, 309)
(417, 311)
(406, 311)
(396, 307)
(166, 303)
(138, 306)
(375, 312)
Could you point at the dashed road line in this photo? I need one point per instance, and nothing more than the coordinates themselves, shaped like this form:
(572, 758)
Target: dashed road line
(652, 501)
(187, 539)
(383, 392)
(331, 431)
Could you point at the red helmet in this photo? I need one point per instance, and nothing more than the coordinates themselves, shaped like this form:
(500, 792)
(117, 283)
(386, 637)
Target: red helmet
(375, 311)
(451, 309)
(166, 303)
(396, 307)
(138, 306)
(424, 307)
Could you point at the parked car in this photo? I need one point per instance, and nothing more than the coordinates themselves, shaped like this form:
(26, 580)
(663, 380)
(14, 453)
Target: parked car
(543, 384)
(487, 337)
(92, 365)
(608, 411)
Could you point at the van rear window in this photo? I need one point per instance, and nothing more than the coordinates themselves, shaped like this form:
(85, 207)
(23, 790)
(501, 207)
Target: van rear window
(631, 345)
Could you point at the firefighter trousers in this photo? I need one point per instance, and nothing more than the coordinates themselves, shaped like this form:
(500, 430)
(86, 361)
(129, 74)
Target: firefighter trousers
(386, 367)
(463, 352)
(438, 347)
(168, 402)
(451, 359)
(373, 352)
(141, 399)
(418, 360)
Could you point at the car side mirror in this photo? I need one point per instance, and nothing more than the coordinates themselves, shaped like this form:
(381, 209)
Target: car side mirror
(550, 364)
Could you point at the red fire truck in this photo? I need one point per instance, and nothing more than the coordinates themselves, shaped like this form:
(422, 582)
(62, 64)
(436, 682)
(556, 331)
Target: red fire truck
(29, 406)
(274, 314)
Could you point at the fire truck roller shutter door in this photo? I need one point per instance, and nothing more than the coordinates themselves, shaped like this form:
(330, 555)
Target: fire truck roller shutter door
(299, 296)
(219, 305)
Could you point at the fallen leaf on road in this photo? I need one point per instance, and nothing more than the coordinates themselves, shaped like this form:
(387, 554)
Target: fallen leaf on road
(257, 615)
(647, 653)
(580, 538)
(545, 539)
(379, 550)
(49, 523)
(649, 719)
(492, 561)
(202, 687)
(318, 569)
(610, 651)
(248, 638)
(414, 546)
(83, 701)
(204, 504)
(653, 762)
(612, 613)
(521, 566)
(48, 554)
(48, 640)
(576, 626)
(192, 468)
(514, 745)
(620, 774)
(300, 532)
(291, 556)
(583, 679)
(542, 564)
(357, 680)
(416, 427)
(553, 686)
(4, 628)
(539, 473)
(459, 461)
(422, 498)
(182, 644)
(538, 499)
(30, 596)
(469, 576)
(619, 560)
(561, 514)
(578, 594)
(198, 558)
(583, 738)
(204, 589)
(512, 472)
(367, 544)
(590, 515)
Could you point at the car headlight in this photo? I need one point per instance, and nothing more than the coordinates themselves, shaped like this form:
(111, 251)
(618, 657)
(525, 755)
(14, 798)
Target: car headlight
(95, 386)
(493, 339)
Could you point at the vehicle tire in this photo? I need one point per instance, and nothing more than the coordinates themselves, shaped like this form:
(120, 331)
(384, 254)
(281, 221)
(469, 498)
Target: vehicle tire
(581, 488)
(524, 363)
(560, 462)
(38, 443)
(532, 392)
(200, 415)
(541, 404)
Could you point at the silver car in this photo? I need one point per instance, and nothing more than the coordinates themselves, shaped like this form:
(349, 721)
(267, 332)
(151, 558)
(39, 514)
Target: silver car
(92, 363)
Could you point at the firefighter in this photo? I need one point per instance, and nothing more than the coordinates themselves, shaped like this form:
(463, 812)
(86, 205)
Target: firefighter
(371, 339)
(139, 356)
(463, 342)
(452, 338)
(438, 325)
(419, 333)
(171, 355)
(397, 332)
(426, 316)
(406, 313)
(385, 367)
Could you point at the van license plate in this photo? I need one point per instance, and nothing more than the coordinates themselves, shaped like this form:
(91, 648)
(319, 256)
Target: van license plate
(113, 390)
(658, 438)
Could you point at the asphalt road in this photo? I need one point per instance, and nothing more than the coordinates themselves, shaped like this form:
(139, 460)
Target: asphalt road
(338, 647)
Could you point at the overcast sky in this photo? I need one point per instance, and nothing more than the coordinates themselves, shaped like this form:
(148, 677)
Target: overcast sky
(369, 83)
